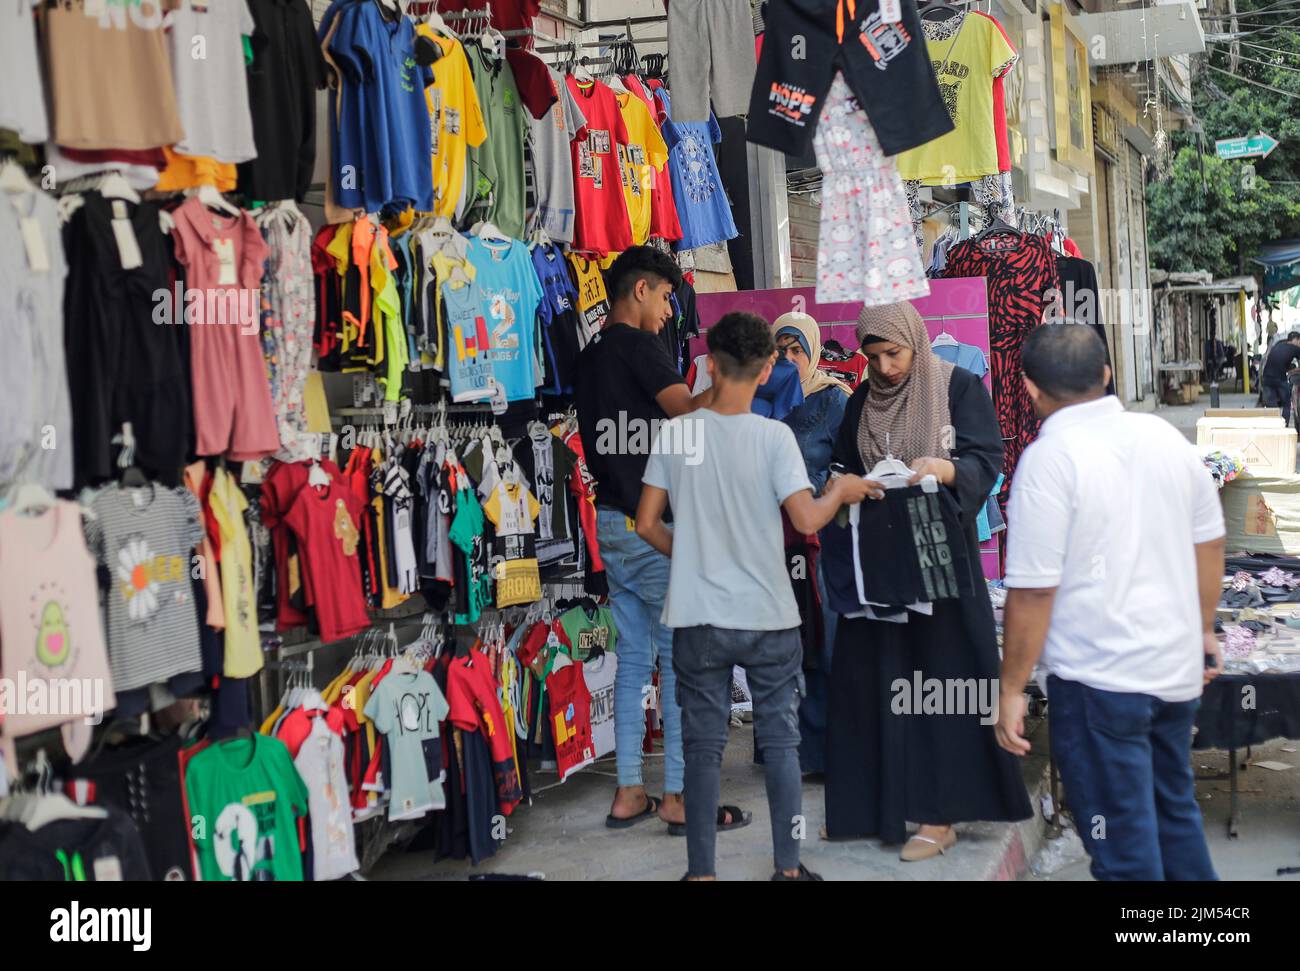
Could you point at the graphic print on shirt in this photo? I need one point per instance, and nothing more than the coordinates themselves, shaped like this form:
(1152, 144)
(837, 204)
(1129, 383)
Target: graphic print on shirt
(345, 531)
(140, 575)
(933, 552)
(53, 646)
(883, 41)
(245, 838)
(697, 157)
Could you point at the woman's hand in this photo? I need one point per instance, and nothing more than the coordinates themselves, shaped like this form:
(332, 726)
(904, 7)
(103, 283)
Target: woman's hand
(941, 469)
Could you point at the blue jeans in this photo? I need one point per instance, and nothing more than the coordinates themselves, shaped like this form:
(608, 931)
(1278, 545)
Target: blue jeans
(1125, 760)
(638, 584)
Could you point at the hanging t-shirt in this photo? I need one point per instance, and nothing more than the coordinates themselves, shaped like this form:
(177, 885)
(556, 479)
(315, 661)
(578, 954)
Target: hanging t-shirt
(325, 523)
(644, 155)
(570, 717)
(146, 539)
(558, 315)
(553, 161)
(967, 54)
(498, 164)
(476, 707)
(407, 707)
(593, 300)
(469, 368)
(547, 464)
(248, 798)
(320, 764)
(602, 221)
(599, 673)
(503, 299)
(466, 535)
(513, 511)
(212, 89)
(49, 617)
(238, 596)
(702, 203)
(23, 110)
(455, 120)
(587, 632)
(75, 850)
(966, 356)
(664, 222)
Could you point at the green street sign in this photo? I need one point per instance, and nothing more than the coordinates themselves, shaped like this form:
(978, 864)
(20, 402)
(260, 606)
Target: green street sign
(1246, 147)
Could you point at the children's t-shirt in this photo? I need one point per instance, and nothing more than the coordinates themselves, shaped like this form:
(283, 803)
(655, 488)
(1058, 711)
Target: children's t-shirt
(507, 293)
(243, 657)
(552, 135)
(558, 314)
(320, 764)
(599, 673)
(469, 367)
(645, 154)
(146, 539)
(455, 120)
(701, 200)
(602, 224)
(513, 511)
(664, 222)
(212, 89)
(466, 534)
(407, 707)
(249, 798)
(587, 632)
(476, 707)
(570, 717)
(966, 356)
(965, 64)
(325, 522)
(593, 300)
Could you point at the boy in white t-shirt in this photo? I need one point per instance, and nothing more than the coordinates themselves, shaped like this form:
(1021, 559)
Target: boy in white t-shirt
(727, 473)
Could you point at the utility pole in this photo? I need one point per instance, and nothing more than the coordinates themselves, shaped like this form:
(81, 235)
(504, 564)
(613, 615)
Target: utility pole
(1234, 49)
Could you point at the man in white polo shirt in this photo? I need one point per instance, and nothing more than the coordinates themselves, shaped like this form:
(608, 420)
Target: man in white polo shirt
(1114, 569)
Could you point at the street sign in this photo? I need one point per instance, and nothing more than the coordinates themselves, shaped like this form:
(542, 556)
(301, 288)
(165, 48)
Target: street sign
(1257, 144)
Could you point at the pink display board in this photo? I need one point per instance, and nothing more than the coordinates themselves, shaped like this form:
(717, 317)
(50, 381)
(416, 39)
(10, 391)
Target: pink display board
(958, 307)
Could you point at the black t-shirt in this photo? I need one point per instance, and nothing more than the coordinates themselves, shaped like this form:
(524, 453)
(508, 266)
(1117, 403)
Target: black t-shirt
(74, 850)
(1279, 360)
(619, 374)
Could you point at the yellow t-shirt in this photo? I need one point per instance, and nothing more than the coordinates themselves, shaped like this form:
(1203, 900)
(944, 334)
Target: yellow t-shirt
(243, 656)
(644, 153)
(978, 54)
(456, 120)
(513, 511)
(444, 266)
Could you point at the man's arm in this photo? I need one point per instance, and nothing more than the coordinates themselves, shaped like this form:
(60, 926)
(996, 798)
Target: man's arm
(649, 518)
(808, 515)
(1209, 581)
(1025, 621)
(676, 399)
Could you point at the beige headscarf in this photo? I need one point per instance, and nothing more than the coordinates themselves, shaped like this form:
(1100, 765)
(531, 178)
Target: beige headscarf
(913, 413)
(812, 378)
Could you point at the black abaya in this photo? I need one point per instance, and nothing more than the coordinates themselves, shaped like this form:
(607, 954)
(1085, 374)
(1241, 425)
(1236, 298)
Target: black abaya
(884, 769)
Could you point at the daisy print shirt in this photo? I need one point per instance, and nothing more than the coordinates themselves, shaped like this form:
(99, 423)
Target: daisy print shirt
(146, 538)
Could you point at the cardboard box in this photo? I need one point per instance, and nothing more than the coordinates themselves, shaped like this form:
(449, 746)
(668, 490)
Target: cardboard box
(1262, 514)
(1243, 412)
(1261, 435)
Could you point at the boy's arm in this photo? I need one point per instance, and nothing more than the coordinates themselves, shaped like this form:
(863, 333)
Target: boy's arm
(808, 515)
(649, 519)
(676, 399)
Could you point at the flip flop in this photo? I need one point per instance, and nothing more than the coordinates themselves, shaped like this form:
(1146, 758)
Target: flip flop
(624, 822)
(739, 820)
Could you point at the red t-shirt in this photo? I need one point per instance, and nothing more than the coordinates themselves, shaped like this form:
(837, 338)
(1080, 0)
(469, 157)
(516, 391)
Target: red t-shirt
(570, 719)
(601, 224)
(473, 705)
(325, 523)
(664, 221)
(533, 78)
(296, 726)
(506, 14)
(852, 369)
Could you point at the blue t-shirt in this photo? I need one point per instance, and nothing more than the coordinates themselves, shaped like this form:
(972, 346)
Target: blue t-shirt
(965, 356)
(500, 307)
(347, 126)
(468, 366)
(559, 298)
(702, 204)
(782, 393)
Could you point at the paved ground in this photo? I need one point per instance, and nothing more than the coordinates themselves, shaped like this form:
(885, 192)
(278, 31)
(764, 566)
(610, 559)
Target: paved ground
(562, 834)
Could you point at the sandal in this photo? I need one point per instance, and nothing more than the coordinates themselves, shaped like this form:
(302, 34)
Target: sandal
(739, 820)
(624, 822)
(927, 847)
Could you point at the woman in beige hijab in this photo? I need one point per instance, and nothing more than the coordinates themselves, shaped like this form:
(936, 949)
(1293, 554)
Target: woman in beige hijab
(815, 424)
(889, 762)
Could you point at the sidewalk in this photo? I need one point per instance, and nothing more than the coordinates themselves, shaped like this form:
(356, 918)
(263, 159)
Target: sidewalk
(563, 835)
(1184, 417)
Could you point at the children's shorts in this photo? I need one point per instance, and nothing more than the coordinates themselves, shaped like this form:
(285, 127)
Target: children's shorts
(886, 65)
(713, 57)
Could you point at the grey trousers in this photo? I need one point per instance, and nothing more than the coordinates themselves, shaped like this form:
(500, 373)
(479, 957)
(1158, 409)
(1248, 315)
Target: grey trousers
(773, 661)
(713, 57)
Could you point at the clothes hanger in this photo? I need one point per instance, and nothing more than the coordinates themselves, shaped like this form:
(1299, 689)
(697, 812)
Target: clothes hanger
(212, 199)
(947, 11)
(943, 339)
(13, 179)
(488, 231)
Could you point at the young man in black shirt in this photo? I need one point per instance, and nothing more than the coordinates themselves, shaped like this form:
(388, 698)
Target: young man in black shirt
(625, 386)
(1277, 367)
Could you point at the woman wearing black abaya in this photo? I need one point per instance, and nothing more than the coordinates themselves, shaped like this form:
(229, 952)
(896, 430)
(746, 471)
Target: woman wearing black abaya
(885, 769)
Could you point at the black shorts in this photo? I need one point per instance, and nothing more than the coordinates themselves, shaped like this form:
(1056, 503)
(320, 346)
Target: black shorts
(886, 65)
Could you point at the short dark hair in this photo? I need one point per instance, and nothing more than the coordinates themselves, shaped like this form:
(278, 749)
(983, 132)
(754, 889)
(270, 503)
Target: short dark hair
(1293, 336)
(1065, 358)
(640, 263)
(741, 344)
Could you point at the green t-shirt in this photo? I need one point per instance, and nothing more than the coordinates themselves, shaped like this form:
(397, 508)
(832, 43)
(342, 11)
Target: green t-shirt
(407, 707)
(245, 799)
(466, 534)
(587, 632)
(497, 166)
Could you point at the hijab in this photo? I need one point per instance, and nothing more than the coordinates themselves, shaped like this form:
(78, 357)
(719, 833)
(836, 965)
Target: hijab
(914, 412)
(809, 333)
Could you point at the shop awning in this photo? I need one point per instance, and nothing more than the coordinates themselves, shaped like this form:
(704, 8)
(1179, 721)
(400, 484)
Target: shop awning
(1134, 36)
(1281, 262)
